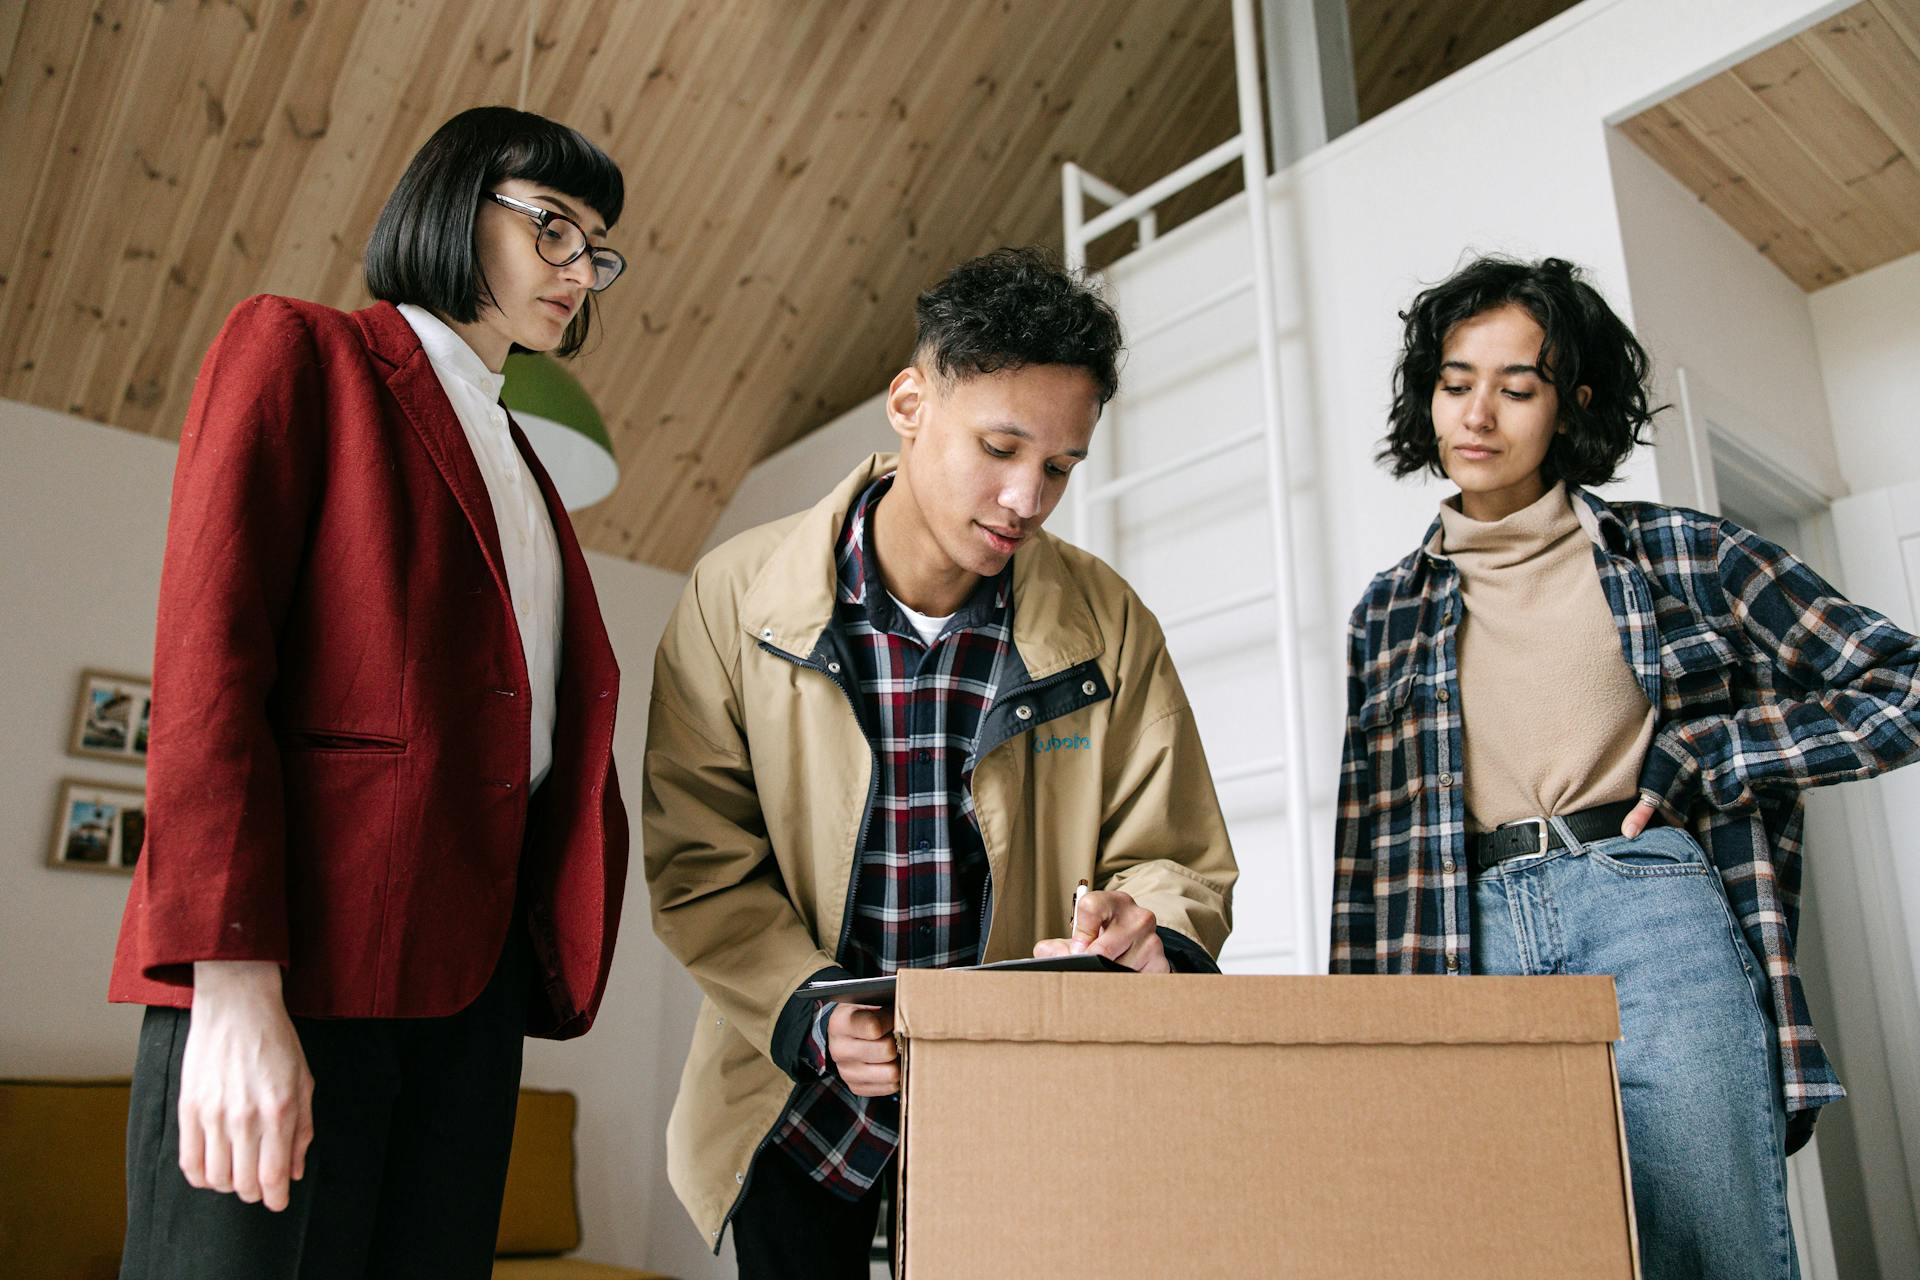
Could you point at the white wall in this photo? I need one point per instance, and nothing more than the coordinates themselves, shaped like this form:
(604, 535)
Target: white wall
(83, 515)
(1705, 300)
(82, 525)
(802, 473)
(1868, 333)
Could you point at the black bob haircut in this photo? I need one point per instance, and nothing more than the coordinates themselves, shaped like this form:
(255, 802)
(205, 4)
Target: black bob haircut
(1586, 345)
(1017, 307)
(422, 251)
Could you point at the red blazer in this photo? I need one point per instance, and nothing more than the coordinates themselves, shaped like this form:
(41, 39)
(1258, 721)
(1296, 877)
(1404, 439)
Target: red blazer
(337, 765)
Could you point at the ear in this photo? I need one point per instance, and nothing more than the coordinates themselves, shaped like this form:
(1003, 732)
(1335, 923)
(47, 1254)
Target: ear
(1585, 396)
(907, 397)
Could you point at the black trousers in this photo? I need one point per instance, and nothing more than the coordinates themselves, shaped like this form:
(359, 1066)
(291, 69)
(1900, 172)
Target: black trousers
(789, 1227)
(412, 1127)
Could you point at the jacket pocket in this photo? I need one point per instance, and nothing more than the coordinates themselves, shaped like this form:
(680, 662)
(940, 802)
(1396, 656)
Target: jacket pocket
(1697, 667)
(340, 740)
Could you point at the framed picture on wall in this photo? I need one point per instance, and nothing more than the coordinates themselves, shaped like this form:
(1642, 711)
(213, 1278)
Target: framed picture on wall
(98, 826)
(112, 719)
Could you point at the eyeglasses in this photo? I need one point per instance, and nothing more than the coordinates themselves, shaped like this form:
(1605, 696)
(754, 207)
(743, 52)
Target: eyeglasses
(560, 240)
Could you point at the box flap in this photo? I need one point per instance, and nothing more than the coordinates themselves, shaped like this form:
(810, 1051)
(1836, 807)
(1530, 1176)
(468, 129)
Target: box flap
(1248, 1009)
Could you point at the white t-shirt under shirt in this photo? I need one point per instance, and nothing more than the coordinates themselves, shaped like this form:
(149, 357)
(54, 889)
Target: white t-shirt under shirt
(527, 541)
(926, 628)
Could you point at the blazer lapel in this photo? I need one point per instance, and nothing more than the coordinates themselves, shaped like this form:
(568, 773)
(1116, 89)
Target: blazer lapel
(583, 631)
(417, 387)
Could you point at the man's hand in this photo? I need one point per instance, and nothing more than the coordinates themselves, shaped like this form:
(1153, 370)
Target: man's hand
(246, 1097)
(860, 1042)
(1111, 924)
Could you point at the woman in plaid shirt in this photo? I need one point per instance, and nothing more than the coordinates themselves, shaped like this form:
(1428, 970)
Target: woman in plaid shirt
(1576, 736)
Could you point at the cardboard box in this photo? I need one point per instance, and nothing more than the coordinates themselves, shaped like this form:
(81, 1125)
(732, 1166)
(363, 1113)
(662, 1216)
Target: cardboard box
(1180, 1126)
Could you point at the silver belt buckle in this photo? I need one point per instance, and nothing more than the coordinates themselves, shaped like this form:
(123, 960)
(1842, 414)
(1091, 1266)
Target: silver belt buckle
(1539, 823)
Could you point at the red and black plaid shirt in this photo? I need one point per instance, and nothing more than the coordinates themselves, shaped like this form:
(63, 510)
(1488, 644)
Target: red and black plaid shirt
(920, 884)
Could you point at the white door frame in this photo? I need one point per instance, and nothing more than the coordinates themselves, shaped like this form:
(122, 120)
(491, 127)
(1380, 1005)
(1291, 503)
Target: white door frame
(1713, 438)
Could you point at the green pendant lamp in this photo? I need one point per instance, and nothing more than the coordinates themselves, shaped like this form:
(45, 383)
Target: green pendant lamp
(562, 425)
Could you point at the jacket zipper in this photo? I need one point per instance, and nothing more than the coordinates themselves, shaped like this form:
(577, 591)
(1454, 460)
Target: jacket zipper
(846, 922)
(986, 899)
(873, 792)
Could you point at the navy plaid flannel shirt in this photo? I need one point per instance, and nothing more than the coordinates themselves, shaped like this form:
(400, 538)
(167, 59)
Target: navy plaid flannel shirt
(1766, 679)
(920, 885)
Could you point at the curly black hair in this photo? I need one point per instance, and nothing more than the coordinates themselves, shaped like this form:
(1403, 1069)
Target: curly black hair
(1017, 307)
(1586, 345)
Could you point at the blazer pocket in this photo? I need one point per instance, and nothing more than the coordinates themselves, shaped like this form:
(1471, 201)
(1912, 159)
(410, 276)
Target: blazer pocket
(341, 740)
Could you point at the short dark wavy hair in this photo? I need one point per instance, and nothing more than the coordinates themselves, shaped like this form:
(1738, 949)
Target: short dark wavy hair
(422, 251)
(1017, 307)
(1586, 345)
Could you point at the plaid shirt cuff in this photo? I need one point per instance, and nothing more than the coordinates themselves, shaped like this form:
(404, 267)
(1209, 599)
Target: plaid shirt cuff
(1671, 774)
(813, 1050)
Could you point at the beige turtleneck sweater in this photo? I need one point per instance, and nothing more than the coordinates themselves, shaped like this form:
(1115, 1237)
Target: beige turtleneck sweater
(1553, 718)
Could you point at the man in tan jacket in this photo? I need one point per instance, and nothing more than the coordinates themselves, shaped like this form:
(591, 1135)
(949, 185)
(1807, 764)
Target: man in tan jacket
(894, 731)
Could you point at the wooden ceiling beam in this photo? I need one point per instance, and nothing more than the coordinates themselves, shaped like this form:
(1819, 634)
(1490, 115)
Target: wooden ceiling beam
(1749, 211)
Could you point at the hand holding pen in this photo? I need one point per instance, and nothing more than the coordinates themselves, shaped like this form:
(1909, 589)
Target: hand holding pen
(1110, 923)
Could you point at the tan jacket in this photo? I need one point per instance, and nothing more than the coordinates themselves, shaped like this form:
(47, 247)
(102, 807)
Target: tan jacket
(758, 776)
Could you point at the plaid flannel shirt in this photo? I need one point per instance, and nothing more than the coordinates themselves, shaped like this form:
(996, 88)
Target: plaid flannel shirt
(1767, 681)
(920, 886)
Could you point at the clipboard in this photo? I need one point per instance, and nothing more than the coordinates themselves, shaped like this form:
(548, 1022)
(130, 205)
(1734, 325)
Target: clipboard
(879, 991)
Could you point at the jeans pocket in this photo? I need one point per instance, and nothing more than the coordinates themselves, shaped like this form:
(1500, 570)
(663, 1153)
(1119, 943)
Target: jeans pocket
(1658, 851)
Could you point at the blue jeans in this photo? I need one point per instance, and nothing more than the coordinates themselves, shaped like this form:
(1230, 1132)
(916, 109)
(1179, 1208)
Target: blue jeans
(1705, 1123)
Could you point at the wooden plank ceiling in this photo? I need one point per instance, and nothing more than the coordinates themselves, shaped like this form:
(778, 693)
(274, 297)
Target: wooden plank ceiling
(796, 171)
(1809, 149)
(1402, 46)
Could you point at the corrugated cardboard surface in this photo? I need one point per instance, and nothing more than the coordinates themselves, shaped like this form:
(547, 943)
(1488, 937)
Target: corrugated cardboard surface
(1252, 1126)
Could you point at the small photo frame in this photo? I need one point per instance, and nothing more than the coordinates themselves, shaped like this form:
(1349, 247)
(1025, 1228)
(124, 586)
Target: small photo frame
(113, 718)
(98, 827)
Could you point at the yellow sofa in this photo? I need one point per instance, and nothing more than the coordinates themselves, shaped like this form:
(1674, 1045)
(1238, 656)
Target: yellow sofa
(63, 1208)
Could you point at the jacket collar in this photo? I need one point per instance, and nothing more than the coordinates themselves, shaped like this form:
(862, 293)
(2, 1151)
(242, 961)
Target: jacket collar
(789, 603)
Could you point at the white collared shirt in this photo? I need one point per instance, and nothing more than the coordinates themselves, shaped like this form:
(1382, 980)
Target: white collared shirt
(527, 542)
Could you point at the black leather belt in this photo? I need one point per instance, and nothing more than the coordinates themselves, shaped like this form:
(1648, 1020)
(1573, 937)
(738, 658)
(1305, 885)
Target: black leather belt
(1537, 836)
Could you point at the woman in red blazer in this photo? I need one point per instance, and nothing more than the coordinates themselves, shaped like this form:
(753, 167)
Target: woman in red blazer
(386, 838)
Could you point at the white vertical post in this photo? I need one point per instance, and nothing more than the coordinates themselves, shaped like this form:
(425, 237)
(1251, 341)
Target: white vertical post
(1309, 75)
(1253, 164)
(1073, 216)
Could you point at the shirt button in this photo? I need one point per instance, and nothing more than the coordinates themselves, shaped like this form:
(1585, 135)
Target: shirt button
(1446, 864)
(925, 756)
(1446, 617)
(1024, 712)
(925, 845)
(1444, 696)
(740, 1177)
(1453, 963)
(925, 929)
(1446, 779)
